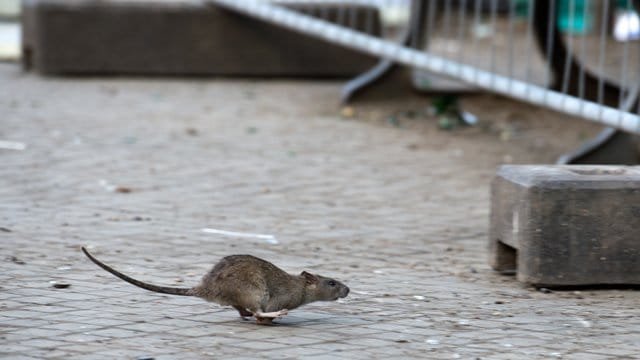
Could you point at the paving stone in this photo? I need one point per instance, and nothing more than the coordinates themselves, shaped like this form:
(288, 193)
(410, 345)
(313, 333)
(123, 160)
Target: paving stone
(18, 356)
(336, 346)
(114, 332)
(40, 343)
(8, 349)
(586, 356)
(621, 351)
(146, 327)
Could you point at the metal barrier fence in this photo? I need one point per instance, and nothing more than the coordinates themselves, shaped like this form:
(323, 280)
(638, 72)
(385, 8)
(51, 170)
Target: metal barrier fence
(559, 54)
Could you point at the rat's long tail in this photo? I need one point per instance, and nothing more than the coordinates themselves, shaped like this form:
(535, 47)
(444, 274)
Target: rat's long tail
(138, 283)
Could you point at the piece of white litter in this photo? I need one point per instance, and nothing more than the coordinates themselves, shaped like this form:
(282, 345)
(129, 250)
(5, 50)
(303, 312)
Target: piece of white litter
(432, 341)
(418, 297)
(106, 185)
(12, 145)
(584, 323)
(268, 238)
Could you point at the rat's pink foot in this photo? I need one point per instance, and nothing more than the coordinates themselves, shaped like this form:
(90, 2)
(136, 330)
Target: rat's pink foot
(272, 315)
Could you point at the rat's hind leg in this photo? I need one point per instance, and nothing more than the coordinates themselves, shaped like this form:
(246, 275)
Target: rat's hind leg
(273, 315)
(268, 317)
(243, 312)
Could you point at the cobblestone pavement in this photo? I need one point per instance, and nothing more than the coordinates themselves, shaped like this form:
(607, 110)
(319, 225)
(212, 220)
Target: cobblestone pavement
(135, 169)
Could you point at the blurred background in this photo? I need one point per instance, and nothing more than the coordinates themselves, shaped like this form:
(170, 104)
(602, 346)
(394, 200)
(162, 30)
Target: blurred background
(579, 57)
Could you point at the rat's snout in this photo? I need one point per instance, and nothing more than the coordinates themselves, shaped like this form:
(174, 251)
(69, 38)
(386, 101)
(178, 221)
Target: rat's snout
(344, 292)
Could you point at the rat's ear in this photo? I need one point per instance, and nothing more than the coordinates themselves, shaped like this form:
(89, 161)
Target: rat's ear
(311, 279)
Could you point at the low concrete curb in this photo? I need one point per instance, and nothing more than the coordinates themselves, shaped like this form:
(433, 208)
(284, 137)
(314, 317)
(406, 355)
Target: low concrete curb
(567, 225)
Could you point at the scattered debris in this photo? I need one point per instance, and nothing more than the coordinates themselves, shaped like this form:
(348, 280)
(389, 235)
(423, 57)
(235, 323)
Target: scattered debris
(545, 290)
(513, 294)
(191, 131)
(251, 130)
(418, 297)
(347, 112)
(4, 229)
(15, 260)
(140, 218)
(12, 145)
(432, 341)
(270, 239)
(129, 140)
(584, 323)
(450, 114)
(106, 185)
(468, 118)
(112, 188)
(445, 123)
(394, 121)
(59, 285)
(402, 341)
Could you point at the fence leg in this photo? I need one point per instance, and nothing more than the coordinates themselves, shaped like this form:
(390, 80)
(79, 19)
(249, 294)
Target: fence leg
(413, 37)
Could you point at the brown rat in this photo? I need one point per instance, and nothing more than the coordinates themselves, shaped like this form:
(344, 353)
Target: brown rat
(253, 286)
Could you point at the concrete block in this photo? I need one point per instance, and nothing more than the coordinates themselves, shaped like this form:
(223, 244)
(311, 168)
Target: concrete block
(182, 37)
(566, 225)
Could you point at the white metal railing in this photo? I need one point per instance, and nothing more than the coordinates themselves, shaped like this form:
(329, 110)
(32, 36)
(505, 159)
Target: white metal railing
(497, 72)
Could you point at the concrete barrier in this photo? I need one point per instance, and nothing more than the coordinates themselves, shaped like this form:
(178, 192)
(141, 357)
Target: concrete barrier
(158, 37)
(566, 225)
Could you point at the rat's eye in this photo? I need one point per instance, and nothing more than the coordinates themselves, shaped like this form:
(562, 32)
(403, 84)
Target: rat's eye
(331, 283)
